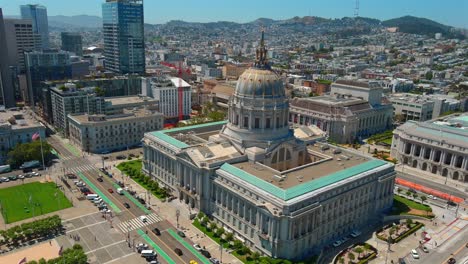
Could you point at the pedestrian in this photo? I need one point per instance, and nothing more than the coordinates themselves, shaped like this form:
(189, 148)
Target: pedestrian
(443, 216)
(50, 243)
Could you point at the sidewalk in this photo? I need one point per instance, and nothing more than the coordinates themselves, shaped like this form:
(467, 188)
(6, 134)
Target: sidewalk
(168, 211)
(424, 175)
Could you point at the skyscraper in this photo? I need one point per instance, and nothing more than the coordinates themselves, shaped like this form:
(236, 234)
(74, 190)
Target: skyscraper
(124, 45)
(6, 84)
(38, 15)
(20, 38)
(72, 42)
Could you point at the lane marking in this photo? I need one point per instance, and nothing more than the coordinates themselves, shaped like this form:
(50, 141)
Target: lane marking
(188, 246)
(98, 191)
(106, 246)
(156, 247)
(83, 227)
(119, 258)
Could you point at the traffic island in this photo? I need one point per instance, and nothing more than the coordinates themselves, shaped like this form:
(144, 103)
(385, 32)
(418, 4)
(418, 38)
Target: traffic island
(394, 233)
(359, 253)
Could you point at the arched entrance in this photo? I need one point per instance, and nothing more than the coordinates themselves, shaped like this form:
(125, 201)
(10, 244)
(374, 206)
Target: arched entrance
(424, 166)
(415, 163)
(455, 175)
(445, 172)
(466, 178)
(434, 169)
(405, 160)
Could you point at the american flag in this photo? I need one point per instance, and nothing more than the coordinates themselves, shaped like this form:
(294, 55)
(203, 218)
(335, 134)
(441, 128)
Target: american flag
(22, 261)
(35, 136)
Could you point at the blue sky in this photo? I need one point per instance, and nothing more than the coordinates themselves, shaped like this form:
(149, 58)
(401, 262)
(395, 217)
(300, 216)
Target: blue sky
(450, 12)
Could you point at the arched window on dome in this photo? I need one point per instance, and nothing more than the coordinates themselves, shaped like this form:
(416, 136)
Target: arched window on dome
(288, 154)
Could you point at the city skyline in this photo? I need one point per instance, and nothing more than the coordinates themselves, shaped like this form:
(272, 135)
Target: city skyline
(446, 12)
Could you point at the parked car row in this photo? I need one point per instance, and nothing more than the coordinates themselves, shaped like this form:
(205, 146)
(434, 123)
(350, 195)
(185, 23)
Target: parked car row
(20, 177)
(97, 201)
(340, 241)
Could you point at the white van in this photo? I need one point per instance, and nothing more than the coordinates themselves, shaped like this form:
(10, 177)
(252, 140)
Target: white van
(92, 196)
(148, 253)
(414, 254)
(97, 201)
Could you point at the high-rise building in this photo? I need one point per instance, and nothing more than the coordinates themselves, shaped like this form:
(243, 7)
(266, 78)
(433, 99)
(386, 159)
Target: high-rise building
(124, 45)
(38, 16)
(20, 38)
(72, 42)
(6, 85)
(45, 65)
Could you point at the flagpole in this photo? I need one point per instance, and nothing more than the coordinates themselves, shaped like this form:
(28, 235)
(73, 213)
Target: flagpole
(42, 152)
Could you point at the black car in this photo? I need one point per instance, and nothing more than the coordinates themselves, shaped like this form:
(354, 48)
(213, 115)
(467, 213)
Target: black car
(102, 169)
(451, 261)
(100, 179)
(126, 205)
(156, 231)
(451, 203)
(13, 178)
(121, 157)
(178, 251)
(205, 253)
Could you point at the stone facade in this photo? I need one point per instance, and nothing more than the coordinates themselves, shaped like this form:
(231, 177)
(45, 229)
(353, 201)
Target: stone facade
(436, 147)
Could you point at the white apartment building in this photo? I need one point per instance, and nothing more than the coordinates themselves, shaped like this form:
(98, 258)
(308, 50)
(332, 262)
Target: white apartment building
(173, 94)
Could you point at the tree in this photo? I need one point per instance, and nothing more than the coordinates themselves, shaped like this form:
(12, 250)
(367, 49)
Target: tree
(408, 193)
(255, 257)
(429, 75)
(367, 247)
(359, 250)
(213, 226)
(351, 256)
(99, 91)
(399, 190)
(229, 237)
(219, 232)
(237, 244)
(341, 260)
(415, 195)
(29, 151)
(200, 215)
(423, 198)
(409, 222)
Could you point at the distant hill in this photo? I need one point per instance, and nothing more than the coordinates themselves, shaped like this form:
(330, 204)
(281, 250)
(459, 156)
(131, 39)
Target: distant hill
(421, 26)
(80, 21)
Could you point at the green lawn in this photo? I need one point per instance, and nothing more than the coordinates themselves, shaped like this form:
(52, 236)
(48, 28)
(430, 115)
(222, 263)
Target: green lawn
(31, 199)
(135, 164)
(403, 206)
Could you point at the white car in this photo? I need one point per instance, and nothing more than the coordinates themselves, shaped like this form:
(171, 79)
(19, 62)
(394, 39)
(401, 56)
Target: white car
(36, 174)
(5, 179)
(337, 243)
(197, 247)
(355, 233)
(414, 254)
(432, 197)
(21, 177)
(143, 218)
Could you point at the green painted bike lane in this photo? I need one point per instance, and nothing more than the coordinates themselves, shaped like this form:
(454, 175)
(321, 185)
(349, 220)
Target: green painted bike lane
(72, 149)
(131, 198)
(188, 246)
(101, 194)
(155, 246)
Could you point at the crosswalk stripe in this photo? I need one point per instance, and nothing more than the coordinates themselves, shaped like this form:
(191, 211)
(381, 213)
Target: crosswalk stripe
(136, 223)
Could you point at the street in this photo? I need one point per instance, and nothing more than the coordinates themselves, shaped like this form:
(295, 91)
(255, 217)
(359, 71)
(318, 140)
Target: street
(126, 219)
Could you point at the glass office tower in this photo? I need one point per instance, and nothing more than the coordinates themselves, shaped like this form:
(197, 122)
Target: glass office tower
(124, 45)
(38, 15)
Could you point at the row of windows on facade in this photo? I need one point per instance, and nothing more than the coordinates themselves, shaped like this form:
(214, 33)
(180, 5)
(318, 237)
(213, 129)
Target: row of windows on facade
(257, 122)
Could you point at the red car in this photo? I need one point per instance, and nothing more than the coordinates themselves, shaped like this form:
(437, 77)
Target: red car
(111, 191)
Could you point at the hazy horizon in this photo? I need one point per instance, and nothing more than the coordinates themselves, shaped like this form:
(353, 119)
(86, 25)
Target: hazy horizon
(449, 12)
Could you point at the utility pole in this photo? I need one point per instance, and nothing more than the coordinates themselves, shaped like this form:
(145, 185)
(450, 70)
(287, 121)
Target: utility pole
(177, 217)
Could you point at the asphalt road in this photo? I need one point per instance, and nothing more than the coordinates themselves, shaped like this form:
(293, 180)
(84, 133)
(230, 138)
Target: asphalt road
(433, 185)
(165, 241)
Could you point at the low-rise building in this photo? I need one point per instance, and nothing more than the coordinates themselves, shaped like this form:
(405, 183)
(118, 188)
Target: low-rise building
(17, 127)
(438, 146)
(99, 133)
(353, 110)
(412, 107)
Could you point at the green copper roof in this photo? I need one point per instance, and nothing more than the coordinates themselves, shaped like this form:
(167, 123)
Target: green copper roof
(177, 143)
(298, 190)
